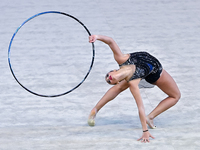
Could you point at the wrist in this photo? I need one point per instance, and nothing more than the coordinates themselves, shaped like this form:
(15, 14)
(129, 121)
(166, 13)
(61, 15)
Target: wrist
(98, 37)
(145, 130)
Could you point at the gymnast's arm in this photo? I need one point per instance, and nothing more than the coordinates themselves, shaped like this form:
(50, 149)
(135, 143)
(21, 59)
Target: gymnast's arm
(118, 55)
(133, 85)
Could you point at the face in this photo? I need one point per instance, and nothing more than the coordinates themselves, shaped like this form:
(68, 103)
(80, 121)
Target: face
(110, 77)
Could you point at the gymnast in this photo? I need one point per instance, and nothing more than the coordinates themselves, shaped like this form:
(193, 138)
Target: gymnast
(132, 68)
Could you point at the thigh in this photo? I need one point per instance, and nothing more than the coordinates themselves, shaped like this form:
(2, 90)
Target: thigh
(167, 84)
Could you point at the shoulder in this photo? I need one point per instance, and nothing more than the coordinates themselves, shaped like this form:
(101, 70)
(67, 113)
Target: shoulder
(123, 59)
(134, 83)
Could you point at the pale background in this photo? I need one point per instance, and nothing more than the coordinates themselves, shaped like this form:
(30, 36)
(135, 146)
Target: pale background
(167, 29)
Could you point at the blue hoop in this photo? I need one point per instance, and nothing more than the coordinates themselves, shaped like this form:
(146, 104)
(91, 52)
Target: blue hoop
(47, 12)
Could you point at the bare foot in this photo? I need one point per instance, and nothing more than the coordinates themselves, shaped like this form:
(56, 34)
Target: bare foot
(91, 121)
(150, 123)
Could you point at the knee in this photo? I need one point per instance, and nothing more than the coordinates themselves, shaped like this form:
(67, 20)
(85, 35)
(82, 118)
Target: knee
(177, 97)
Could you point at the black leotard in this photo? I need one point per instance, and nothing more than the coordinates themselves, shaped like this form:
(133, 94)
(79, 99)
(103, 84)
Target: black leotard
(147, 66)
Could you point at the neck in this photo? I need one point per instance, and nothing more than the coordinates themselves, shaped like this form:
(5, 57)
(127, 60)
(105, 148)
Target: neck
(125, 72)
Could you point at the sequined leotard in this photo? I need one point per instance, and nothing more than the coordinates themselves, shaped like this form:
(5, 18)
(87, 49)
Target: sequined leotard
(147, 66)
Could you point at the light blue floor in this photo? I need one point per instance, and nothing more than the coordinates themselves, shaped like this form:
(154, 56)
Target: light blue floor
(167, 29)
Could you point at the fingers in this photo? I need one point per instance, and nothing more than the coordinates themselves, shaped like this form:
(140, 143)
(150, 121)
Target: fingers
(92, 38)
(152, 137)
(139, 139)
(144, 140)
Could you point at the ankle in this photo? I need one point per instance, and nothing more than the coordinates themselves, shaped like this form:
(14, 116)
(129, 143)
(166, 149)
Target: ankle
(93, 112)
(150, 117)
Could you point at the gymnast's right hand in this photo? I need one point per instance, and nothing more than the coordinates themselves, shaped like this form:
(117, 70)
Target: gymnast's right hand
(92, 38)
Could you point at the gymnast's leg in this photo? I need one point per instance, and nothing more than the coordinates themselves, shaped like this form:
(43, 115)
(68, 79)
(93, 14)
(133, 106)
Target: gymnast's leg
(167, 84)
(109, 95)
